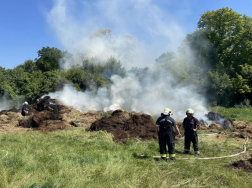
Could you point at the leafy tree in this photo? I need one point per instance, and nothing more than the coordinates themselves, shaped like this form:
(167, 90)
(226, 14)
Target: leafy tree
(222, 48)
(40, 84)
(174, 65)
(113, 66)
(140, 73)
(2, 80)
(29, 66)
(226, 29)
(48, 59)
(77, 76)
(220, 85)
(85, 78)
(93, 65)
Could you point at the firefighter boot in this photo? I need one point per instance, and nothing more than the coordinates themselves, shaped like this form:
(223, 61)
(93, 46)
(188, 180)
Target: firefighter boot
(164, 158)
(172, 157)
(197, 154)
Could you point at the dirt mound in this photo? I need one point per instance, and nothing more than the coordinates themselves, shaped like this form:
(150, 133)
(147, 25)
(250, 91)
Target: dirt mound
(11, 110)
(215, 126)
(241, 124)
(244, 165)
(47, 115)
(242, 129)
(9, 120)
(124, 125)
(78, 119)
(42, 111)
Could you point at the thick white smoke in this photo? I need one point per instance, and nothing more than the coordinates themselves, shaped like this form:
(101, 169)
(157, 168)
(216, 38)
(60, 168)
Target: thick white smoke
(5, 103)
(154, 32)
(129, 94)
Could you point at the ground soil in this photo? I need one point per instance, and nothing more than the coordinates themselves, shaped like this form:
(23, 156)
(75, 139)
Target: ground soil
(244, 165)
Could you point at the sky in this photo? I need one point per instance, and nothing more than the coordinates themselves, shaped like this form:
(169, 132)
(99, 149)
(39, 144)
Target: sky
(28, 25)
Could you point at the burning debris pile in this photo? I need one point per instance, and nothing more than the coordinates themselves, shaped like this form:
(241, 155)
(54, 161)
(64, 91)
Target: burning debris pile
(124, 125)
(216, 122)
(213, 119)
(47, 115)
(9, 121)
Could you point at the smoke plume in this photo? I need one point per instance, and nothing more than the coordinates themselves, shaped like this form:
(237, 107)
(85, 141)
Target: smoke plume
(140, 31)
(5, 103)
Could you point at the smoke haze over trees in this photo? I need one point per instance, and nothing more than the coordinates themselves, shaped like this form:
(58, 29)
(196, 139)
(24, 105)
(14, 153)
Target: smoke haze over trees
(212, 63)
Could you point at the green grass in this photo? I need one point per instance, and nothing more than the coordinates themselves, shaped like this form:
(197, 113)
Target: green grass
(77, 158)
(239, 114)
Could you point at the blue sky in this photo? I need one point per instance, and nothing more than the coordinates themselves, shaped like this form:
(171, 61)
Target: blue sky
(28, 25)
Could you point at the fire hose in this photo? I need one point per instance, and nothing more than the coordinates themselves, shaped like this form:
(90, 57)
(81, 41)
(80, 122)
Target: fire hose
(5, 154)
(233, 155)
(209, 134)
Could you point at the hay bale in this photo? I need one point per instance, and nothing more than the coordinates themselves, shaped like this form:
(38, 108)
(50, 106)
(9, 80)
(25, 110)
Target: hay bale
(215, 126)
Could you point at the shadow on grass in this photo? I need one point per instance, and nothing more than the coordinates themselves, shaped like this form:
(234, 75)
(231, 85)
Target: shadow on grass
(144, 157)
(179, 152)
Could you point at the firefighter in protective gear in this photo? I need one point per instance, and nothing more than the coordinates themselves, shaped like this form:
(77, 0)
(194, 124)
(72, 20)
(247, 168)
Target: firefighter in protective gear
(191, 125)
(166, 135)
(24, 110)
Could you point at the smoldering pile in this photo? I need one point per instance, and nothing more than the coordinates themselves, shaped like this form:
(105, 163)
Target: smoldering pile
(124, 125)
(50, 115)
(213, 118)
(46, 114)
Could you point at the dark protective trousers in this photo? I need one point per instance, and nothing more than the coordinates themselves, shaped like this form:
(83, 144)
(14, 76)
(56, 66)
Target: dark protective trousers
(168, 139)
(23, 113)
(191, 137)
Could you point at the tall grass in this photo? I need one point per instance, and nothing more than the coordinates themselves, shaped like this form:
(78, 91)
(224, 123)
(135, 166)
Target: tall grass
(77, 158)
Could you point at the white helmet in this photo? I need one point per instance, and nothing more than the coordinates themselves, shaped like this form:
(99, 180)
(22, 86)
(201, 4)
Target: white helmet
(167, 111)
(25, 103)
(190, 111)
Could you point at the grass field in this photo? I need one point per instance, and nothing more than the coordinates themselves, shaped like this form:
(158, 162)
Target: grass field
(77, 158)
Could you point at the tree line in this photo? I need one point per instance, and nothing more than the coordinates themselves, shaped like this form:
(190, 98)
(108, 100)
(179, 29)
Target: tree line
(216, 60)
(220, 57)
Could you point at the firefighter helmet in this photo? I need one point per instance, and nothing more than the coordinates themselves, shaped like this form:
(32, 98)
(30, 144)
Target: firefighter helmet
(167, 111)
(189, 111)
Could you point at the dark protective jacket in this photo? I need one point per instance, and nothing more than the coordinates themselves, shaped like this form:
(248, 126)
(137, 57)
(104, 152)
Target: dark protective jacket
(165, 124)
(190, 124)
(23, 110)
